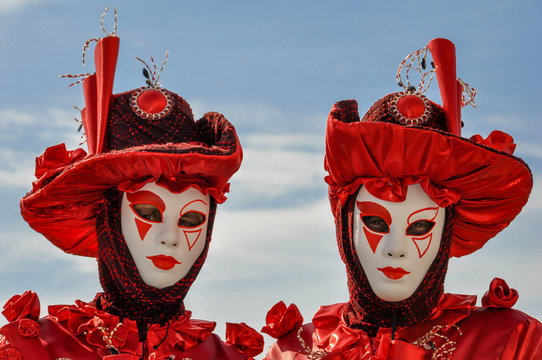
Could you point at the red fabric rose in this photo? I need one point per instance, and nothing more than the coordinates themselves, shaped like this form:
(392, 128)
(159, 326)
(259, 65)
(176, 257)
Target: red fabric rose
(28, 327)
(499, 295)
(281, 320)
(244, 338)
(53, 160)
(10, 354)
(497, 140)
(22, 306)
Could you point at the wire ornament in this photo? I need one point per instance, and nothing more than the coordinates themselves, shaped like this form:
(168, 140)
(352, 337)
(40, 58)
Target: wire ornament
(444, 351)
(417, 61)
(468, 94)
(86, 46)
(153, 76)
(114, 33)
(81, 77)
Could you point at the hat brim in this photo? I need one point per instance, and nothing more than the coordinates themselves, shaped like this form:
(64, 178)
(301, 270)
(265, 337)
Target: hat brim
(64, 209)
(488, 187)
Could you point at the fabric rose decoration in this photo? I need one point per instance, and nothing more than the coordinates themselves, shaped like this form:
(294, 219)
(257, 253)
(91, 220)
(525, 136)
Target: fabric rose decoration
(53, 160)
(10, 354)
(281, 320)
(22, 306)
(244, 338)
(498, 140)
(28, 327)
(499, 295)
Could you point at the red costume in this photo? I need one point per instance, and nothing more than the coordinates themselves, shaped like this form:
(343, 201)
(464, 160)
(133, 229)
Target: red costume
(143, 136)
(405, 139)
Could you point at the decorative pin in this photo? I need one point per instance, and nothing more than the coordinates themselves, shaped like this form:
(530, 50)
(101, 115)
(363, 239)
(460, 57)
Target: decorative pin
(151, 102)
(410, 108)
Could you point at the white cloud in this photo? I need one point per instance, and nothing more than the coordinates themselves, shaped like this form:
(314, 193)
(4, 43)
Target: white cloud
(9, 6)
(532, 149)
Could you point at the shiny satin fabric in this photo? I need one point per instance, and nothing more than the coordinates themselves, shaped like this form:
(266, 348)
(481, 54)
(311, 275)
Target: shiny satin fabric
(80, 331)
(66, 197)
(488, 186)
(478, 332)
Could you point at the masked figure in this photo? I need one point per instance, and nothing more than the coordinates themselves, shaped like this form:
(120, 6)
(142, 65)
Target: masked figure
(407, 193)
(143, 203)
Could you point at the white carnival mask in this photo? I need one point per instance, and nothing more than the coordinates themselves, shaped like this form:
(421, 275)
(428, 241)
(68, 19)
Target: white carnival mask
(165, 232)
(396, 242)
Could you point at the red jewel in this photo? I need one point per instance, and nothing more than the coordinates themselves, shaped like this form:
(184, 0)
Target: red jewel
(151, 103)
(410, 109)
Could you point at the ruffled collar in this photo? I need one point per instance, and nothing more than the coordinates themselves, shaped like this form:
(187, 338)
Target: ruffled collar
(104, 330)
(334, 335)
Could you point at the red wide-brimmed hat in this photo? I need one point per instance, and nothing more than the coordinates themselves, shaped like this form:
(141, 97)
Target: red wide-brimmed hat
(405, 138)
(147, 134)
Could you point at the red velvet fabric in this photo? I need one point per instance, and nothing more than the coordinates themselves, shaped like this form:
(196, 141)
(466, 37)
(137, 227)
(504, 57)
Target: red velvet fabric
(77, 331)
(484, 334)
(488, 186)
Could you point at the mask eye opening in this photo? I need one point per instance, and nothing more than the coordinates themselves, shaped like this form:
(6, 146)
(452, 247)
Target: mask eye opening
(147, 212)
(375, 223)
(420, 227)
(191, 219)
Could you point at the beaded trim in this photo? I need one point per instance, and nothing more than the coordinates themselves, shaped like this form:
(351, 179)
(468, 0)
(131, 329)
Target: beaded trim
(156, 116)
(403, 119)
(311, 355)
(443, 352)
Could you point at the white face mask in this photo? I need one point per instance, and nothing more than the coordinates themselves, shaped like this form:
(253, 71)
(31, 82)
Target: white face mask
(165, 232)
(396, 242)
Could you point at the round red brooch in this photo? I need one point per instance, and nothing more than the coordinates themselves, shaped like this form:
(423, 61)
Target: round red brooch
(151, 103)
(410, 108)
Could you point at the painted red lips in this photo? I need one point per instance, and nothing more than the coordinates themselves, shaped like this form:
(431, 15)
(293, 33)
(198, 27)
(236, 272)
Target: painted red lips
(394, 273)
(163, 262)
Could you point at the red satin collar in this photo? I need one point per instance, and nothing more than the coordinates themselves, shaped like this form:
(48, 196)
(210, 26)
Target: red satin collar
(334, 335)
(84, 319)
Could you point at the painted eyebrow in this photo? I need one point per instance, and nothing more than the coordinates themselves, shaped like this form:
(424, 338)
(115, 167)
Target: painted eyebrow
(146, 197)
(423, 214)
(191, 202)
(372, 208)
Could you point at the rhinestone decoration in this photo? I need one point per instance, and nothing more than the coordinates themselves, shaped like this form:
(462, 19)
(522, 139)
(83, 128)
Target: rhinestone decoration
(146, 98)
(411, 100)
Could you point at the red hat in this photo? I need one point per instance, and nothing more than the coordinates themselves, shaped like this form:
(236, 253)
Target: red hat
(404, 139)
(143, 135)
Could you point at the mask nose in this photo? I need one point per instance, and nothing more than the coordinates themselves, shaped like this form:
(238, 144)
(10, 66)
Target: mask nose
(395, 244)
(169, 235)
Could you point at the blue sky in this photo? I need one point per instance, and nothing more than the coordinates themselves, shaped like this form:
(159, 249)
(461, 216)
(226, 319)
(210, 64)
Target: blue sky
(274, 69)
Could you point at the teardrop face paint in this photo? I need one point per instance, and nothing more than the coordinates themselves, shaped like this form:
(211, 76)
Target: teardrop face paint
(396, 242)
(164, 231)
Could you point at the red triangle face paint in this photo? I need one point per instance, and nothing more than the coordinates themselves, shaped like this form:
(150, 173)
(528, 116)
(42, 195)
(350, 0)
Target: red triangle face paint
(372, 239)
(142, 228)
(192, 237)
(422, 244)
